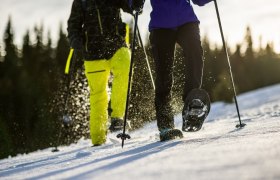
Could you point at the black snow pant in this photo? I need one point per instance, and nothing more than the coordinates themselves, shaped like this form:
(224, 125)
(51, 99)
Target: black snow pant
(163, 46)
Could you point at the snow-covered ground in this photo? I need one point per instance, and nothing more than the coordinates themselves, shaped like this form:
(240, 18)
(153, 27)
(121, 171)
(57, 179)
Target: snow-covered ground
(218, 151)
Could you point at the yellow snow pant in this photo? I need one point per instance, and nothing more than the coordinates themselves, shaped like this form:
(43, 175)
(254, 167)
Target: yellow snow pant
(98, 73)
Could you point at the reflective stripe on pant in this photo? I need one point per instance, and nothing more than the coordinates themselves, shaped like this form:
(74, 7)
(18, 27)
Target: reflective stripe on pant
(98, 73)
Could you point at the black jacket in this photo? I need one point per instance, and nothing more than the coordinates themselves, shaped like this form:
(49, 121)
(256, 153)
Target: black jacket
(97, 29)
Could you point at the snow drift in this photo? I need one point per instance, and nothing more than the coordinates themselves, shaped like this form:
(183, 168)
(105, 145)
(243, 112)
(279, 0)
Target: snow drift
(218, 151)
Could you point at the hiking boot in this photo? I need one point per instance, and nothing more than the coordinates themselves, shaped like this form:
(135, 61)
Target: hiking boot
(169, 134)
(116, 124)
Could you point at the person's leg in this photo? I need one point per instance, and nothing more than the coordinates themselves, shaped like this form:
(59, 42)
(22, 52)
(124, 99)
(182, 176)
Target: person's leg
(188, 37)
(163, 46)
(97, 73)
(120, 68)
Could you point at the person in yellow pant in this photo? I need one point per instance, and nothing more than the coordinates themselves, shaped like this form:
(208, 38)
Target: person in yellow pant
(95, 30)
(97, 73)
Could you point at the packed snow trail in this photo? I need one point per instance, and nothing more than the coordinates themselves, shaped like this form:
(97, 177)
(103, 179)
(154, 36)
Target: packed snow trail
(217, 151)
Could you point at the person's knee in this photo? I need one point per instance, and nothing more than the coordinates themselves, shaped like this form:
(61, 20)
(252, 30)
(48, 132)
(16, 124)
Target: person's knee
(122, 57)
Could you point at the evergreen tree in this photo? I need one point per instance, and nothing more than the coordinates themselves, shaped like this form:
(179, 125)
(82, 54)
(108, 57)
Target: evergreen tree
(10, 103)
(27, 52)
(239, 71)
(23, 95)
(269, 51)
(11, 59)
(249, 53)
(62, 51)
(209, 71)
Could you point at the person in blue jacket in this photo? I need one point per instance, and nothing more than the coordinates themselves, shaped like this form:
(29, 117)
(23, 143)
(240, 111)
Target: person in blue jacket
(173, 21)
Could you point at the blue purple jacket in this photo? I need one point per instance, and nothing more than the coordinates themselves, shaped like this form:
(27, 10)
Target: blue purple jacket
(173, 13)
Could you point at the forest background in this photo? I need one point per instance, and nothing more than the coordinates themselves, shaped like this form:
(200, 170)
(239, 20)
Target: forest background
(33, 86)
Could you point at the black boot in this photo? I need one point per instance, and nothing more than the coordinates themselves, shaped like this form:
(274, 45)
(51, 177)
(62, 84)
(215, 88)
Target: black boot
(117, 125)
(169, 134)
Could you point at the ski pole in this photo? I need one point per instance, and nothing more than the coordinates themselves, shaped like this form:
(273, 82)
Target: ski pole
(146, 56)
(240, 125)
(124, 136)
(66, 118)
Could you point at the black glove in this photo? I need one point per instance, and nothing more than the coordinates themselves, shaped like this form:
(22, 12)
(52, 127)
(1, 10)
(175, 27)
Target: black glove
(79, 55)
(77, 44)
(137, 5)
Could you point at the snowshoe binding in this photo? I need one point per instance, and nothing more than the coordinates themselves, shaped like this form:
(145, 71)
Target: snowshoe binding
(195, 111)
(169, 134)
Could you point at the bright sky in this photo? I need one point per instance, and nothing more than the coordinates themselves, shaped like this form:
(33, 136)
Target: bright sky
(262, 16)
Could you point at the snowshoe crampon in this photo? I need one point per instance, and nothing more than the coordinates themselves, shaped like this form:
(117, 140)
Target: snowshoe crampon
(169, 134)
(195, 111)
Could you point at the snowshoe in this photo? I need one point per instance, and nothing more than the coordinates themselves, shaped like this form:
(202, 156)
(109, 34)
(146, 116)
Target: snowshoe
(169, 134)
(196, 108)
